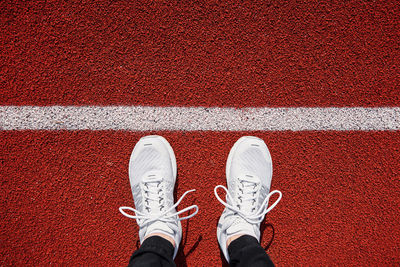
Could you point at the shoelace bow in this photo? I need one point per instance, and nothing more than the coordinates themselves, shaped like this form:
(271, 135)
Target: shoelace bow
(247, 192)
(153, 195)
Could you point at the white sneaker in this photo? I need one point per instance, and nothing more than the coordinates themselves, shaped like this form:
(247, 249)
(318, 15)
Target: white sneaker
(248, 174)
(152, 175)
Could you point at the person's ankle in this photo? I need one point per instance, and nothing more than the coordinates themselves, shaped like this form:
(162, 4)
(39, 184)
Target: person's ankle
(232, 238)
(166, 237)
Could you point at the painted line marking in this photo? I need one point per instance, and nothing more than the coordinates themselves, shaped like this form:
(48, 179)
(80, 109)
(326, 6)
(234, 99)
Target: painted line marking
(144, 118)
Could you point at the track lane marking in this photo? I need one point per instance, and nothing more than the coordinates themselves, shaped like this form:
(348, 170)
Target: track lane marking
(146, 118)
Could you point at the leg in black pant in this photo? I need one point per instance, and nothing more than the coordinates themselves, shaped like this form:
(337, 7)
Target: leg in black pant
(246, 251)
(155, 251)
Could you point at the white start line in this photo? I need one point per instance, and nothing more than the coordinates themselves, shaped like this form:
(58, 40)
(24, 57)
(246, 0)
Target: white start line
(145, 118)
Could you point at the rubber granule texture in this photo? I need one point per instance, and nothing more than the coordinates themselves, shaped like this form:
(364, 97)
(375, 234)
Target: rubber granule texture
(61, 192)
(186, 53)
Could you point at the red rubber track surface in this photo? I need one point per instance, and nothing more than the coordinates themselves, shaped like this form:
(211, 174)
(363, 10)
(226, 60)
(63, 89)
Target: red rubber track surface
(256, 53)
(61, 191)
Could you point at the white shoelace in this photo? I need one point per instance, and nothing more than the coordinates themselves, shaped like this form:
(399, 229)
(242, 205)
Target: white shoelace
(247, 192)
(153, 195)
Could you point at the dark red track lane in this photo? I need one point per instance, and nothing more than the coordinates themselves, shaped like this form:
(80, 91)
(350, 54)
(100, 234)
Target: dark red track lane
(257, 53)
(60, 193)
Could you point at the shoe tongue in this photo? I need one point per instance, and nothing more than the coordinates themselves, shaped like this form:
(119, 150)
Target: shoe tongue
(159, 227)
(240, 226)
(151, 182)
(248, 181)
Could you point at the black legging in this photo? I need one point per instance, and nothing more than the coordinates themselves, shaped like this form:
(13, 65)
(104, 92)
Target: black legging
(157, 251)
